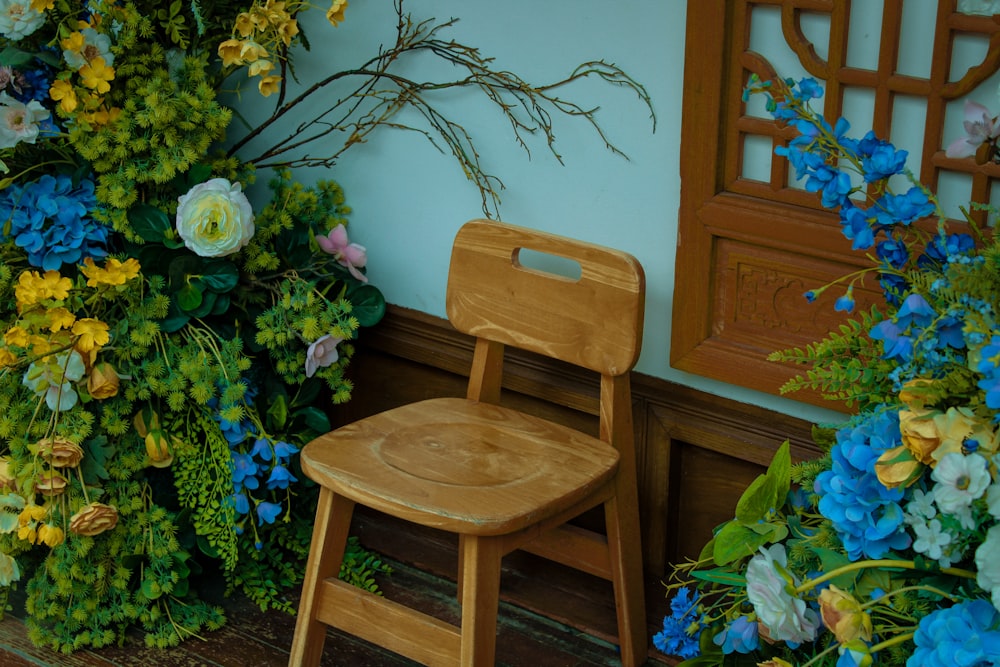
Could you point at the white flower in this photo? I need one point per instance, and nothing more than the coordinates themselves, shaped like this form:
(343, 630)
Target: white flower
(930, 539)
(785, 616)
(214, 218)
(18, 19)
(19, 121)
(95, 45)
(53, 377)
(921, 507)
(993, 500)
(960, 480)
(321, 353)
(988, 565)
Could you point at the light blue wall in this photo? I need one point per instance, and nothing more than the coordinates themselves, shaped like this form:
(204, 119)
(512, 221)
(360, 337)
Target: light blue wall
(409, 200)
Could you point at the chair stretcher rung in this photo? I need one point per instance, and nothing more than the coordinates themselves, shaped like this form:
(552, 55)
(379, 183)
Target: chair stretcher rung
(416, 635)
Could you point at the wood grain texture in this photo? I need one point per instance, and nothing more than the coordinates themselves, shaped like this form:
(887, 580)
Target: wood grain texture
(497, 477)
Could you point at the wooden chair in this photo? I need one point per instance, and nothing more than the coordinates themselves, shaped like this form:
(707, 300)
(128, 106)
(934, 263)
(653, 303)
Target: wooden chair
(501, 479)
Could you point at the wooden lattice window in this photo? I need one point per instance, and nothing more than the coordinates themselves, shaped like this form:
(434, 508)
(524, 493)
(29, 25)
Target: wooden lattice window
(751, 241)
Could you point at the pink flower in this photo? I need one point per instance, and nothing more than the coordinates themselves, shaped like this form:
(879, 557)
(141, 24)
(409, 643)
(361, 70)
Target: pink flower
(321, 354)
(351, 255)
(980, 127)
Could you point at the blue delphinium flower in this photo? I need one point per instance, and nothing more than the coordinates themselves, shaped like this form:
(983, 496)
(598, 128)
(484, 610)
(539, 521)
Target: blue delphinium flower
(879, 158)
(867, 516)
(845, 303)
(945, 248)
(682, 627)
(740, 636)
(267, 512)
(903, 209)
(857, 225)
(50, 219)
(965, 634)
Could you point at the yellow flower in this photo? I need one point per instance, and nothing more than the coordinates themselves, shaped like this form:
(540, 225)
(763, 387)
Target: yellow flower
(60, 318)
(251, 51)
(7, 358)
(335, 15)
(50, 535)
(92, 334)
(919, 433)
(75, 42)
(96, 75)
(957, 427)
(230, 52)
(260, 67)
(59, 452)
(42, 5)
(93, 519)
(31, 513)
(246, 24)
(268, 84)
(63, 93)
(32, 288)
(287, 30)
(843, 615)
(103, 381)
(17, 337)
(897, 467)
(114, 272)
(158, 449)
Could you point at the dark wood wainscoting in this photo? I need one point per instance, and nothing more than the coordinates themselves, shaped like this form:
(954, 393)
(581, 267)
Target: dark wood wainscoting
(696, 452)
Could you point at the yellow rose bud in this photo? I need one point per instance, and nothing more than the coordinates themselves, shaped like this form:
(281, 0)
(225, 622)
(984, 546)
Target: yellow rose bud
(158, 449)
(920, 433)
(60, 452)
(146, 420)
(843, 616)
(50, 535)
(93, 519)
(103, 381)
(897, 467)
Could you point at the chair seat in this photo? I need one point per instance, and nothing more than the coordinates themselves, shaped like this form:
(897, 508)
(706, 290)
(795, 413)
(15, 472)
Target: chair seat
(461, 465)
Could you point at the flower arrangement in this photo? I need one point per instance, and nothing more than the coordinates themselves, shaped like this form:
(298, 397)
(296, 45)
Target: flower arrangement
(884, 551)
(166, 345)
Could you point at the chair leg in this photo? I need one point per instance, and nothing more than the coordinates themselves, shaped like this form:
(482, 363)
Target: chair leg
(622, 517)
(326, 552)
(480, 582)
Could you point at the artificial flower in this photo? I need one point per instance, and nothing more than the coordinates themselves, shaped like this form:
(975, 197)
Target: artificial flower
(350, 255)
(988, 564)
(97, 75)
(86, 46)
(843, 615)
(50, 535)
(214, 218)
(979, 127)
(9, 570)
(960, 480)
(62, 91)
(231, 53)
(53, 378)
(50, 484)
(103, 382)
(93, 519)
(335, 14)
(269, 84)
(19, 122)
(739, 636)
(114, 272)
(59, 452)
(18, 19)
(786, 616)
(321, 353)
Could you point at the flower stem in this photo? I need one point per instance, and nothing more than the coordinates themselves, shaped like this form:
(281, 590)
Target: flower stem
(809, 584)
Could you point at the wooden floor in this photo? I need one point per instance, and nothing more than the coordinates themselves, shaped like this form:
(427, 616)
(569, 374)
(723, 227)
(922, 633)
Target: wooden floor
(577, 630)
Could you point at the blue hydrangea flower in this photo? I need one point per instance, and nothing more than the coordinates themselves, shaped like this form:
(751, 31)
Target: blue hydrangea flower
(682, 627)
(962, 635)
(50, 219)
(740, 636)
(867, 516)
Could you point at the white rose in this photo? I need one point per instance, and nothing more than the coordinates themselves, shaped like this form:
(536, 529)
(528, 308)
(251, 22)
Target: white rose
(214, 218)
(18, 19)
(785, 616)
(988, 565)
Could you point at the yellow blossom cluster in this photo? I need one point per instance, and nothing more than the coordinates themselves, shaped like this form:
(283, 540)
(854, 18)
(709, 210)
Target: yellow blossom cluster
(928, 435)
(81, 94)
(262, 36)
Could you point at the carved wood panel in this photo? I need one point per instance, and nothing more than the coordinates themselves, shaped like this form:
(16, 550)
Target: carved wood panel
(751, 240)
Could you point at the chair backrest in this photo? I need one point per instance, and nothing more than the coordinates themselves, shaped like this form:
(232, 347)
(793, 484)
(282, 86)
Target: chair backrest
(594, 321)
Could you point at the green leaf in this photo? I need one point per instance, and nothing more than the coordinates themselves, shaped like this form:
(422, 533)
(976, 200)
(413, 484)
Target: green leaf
(831, 560)
(149, 222)
(277, 413)
(220, 275)
(175, 319)
(721, 575)
(150, 589)
(189, 297)
(314, 418)
(736, 541)
(766, 493)
(97, 451)
(11, 56)
(368, 304)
